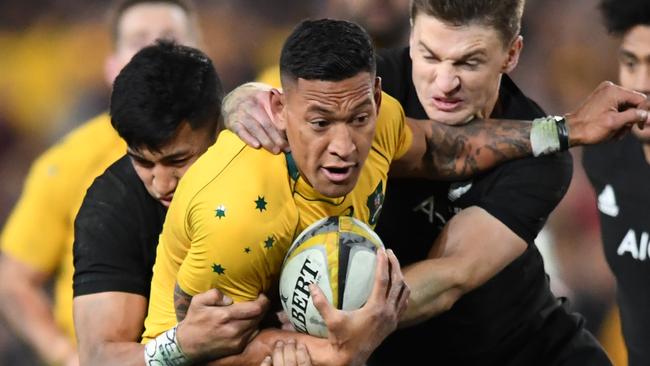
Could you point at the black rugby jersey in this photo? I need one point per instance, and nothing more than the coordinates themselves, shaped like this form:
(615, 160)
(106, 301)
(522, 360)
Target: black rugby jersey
(620, 175)
(489, 322)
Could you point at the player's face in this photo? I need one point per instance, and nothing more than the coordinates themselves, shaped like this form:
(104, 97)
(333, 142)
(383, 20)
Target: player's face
(161, 170)
(141, 25)
(330, 127)
(634, 66)
(386, 21)
(457, 69)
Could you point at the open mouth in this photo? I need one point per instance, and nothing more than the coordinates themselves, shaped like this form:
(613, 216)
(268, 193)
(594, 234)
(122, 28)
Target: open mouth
(337, 174)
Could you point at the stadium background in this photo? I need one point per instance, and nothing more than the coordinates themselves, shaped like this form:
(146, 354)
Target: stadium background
(51, 59)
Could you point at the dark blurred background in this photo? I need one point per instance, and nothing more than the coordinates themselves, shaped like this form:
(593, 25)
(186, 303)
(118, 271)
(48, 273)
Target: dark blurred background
(51, 80)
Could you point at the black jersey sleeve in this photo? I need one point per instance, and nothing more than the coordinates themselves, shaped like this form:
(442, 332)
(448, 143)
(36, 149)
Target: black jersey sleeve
(522, 193)
(108, 250)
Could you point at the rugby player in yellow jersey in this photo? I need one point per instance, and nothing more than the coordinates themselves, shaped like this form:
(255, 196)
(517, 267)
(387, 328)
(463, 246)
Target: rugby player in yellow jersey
(238, 209)
(37, 238)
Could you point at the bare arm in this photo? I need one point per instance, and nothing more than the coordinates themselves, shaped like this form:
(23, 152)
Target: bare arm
(472, 248)
(27, 309)
(109, 325)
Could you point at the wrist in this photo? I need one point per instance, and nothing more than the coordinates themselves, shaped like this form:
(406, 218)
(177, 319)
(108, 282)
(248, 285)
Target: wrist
(549, 135)
(165, 350)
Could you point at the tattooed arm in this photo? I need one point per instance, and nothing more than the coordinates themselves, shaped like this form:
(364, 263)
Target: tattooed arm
(455, 152)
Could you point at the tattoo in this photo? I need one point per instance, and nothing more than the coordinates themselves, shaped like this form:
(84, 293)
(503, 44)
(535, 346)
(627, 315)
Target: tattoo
(455, 152)
(181, 303)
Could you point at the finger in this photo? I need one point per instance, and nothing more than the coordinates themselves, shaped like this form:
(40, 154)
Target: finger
(267, 361)
(278, 353)
(247, 309)
(245, 136)
(254, 127)
(403, 300)
(629, 117)
(290, 353)
(382, 278)
(212, 297)
(624, 96)
(396, 279)
(324, 307)
(302, 355)
(275, 135)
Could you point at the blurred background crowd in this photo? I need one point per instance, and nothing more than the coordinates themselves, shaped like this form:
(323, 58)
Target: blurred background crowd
(51, 80)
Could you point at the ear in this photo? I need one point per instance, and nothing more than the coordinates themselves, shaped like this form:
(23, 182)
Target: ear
(377, 93)
(277, 101)
(513, 55)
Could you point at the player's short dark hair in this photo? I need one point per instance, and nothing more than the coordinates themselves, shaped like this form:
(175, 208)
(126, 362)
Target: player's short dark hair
(502, 15)
(622, 15)
(161, 87)
(120, 7)
(326, 49)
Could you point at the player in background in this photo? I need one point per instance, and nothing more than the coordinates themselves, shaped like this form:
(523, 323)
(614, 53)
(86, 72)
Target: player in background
(37, 238)
(619, 172)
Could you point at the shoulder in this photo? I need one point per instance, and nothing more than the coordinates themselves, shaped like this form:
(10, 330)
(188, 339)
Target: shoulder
(93, 143)
(117, 182)
(514, 104)
(230, 171)
(392, 136)
(394, 69)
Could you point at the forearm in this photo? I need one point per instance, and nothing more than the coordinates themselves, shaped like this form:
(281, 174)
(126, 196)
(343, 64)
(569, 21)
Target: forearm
(112, 353)
(436, 284)
(27, 309)
(456, 152)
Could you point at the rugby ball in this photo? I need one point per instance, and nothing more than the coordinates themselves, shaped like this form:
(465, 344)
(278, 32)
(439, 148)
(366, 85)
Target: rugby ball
(338, 254)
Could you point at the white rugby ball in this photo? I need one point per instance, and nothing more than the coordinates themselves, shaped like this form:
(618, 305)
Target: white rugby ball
(338, 253)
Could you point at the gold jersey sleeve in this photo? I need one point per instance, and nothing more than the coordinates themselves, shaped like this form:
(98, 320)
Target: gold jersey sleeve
(228, 227)
(40, 229)
(393, 137)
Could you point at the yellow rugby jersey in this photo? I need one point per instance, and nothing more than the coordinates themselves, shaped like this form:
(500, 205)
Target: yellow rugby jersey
(40, 229)
(237, 210)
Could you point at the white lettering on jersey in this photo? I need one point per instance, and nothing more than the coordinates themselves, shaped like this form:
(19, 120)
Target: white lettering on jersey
(456, 191)
(428, 207)
(629, 244)
(607, 202)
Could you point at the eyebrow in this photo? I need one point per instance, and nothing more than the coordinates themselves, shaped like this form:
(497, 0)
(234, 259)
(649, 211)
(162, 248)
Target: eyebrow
(632, 55)
(319, 109)
(478, 52)
(170, 157)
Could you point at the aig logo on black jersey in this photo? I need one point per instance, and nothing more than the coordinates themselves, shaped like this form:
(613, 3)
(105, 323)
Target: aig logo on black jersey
(638, 249)
(607, 202)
